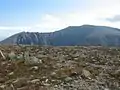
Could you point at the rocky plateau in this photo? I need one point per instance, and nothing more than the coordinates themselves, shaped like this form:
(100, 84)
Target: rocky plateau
(59, 68)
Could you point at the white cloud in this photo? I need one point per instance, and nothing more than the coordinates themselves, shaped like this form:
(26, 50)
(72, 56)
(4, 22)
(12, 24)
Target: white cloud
(8, 31)
(13, 28)
(50, 23)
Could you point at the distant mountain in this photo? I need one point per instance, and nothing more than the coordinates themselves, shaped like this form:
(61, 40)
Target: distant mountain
(73, 35)
(29, 38)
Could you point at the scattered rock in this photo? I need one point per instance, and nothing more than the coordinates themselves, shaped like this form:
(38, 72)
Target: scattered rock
(2, 86)
(106, 89)
(20, 82)
(20, 57)
(53, 73)
(60, 68)
(10, 74)
(68, 79)
(33, 61)
(12, 56)
(86, 73)
(35, 81)
(1, 53)
(34, 68)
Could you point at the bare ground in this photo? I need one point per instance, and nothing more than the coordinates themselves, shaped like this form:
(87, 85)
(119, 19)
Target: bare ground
(59, 68)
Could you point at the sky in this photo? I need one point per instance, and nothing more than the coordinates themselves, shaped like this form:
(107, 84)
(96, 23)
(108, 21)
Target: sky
(52, 15)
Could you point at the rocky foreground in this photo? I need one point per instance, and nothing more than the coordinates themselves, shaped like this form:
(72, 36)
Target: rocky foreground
(59, 68)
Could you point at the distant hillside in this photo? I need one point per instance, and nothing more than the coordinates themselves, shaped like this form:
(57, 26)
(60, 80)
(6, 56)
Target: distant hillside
(29, 38)
(73, 35)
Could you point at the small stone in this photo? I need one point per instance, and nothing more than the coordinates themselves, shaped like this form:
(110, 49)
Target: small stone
(1, 53)
(20, 82)
(10, 74)
(20, 57)
(86, 73)
(35, 81)
(56, 86)
(106, 89)
(12, 56)
(34, 68)
(2, 86)
(36, 60)
(46, 84)
(46, 80)
(33, 61)
(68, 79)
(53, 73)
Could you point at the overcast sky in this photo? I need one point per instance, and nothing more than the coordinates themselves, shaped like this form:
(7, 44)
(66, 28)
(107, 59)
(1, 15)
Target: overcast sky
(52, 15)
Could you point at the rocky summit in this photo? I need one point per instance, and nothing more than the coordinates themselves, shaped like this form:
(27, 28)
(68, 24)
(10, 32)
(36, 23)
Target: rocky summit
(59, 68)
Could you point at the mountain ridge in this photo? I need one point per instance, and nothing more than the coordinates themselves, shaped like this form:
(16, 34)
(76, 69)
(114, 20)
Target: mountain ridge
(69, 36)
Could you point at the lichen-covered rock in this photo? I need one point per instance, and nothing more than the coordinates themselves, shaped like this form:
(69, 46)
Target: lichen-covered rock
(12, 56)
(33, 61)
(86, 73)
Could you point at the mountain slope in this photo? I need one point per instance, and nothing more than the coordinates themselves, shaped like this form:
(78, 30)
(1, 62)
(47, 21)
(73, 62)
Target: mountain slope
(73, 35)
(28, 38)
(87, 35)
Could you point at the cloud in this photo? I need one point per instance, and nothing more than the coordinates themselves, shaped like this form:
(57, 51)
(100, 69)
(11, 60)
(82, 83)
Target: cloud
(13, 28)
(6, 31)
(54, 22)
(50, 22)
(116, 18)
